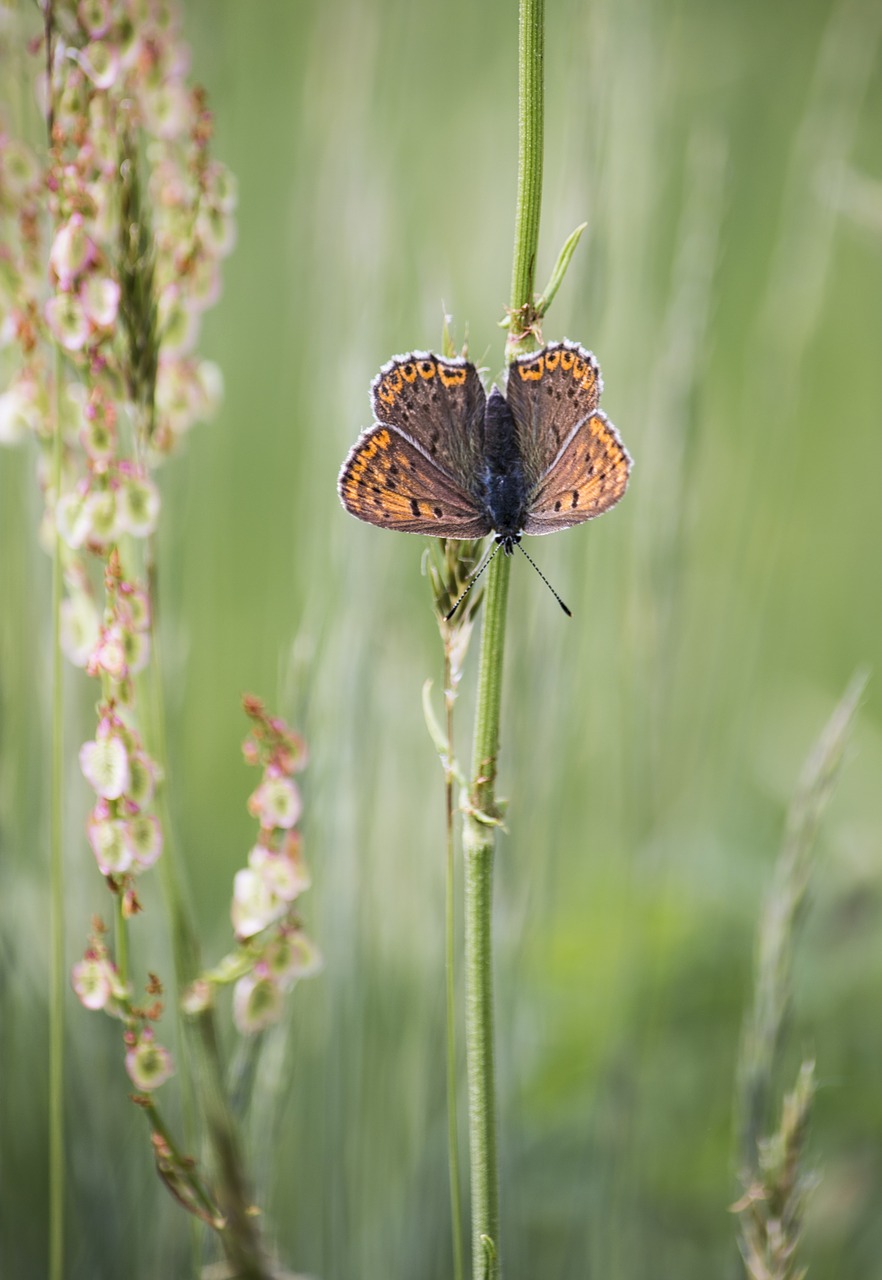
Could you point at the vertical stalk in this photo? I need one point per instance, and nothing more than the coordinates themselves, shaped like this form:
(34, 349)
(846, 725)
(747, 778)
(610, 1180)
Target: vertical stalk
(479, 832)
(450, 976)
(57, 983)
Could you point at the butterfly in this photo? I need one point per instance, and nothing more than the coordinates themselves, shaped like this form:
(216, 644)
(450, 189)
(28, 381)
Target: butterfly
(444, 459)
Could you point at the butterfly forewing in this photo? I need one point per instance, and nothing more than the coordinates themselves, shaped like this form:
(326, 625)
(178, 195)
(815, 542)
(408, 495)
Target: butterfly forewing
(439, 404)
(549, 394)
(587, 478)
(389, 481)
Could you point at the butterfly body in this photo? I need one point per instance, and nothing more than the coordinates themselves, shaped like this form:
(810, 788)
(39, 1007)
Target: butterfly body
(445, 460)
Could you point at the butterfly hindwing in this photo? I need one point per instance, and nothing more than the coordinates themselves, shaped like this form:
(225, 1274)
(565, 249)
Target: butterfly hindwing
(550, 392)
(439, 404)
(389, 481)
(586, 479)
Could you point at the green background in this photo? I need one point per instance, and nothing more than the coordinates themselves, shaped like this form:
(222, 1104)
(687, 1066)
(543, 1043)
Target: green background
(728, 162)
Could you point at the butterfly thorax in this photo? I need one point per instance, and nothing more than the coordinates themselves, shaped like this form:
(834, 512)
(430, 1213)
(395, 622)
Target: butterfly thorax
(503, 484)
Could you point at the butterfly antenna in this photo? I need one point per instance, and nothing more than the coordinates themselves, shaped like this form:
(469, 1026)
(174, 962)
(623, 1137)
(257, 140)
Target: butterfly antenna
(547, 583)
(474, 578)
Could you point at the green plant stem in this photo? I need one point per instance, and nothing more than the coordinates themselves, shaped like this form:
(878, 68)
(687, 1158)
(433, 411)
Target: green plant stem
(450, 975)
(57, 983)
(531, 121)
(479, 836)
(57, 976)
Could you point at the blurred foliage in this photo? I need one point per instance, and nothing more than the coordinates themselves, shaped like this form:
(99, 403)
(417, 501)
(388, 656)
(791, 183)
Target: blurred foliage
(728, 162)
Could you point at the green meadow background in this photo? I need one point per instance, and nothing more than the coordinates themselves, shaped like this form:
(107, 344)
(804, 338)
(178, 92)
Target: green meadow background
(728, 161)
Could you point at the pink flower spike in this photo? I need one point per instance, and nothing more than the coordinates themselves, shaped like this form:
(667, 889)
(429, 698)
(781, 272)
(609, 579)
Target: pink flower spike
(257, 1003)
(276, 803)
(149, 1064)
(105, 765)
(99, 297)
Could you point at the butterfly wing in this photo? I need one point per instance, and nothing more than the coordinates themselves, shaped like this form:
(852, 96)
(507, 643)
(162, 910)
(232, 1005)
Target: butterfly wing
(575, 464)
(549, 393)
(588, 476)
(389, 481)
(417, 468)
(439, 405)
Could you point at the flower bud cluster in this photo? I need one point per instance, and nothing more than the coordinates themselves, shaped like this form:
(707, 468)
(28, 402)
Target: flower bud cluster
(125, 837)
(111, 240)
(273, 950)
(98, 985)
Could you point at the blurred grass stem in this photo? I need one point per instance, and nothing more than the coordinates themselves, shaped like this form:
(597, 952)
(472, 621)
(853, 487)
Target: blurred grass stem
(57, 974)
(781, 909)
(479, 835)
(57, 983)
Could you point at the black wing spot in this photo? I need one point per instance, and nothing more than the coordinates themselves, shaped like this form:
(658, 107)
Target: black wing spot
(393, 470)
(557, 505)
(439, 511)
(575, 501)
(415, 507)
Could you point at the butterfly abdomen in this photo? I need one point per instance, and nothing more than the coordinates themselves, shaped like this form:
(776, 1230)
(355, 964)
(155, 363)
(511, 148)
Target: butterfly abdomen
(504, 486)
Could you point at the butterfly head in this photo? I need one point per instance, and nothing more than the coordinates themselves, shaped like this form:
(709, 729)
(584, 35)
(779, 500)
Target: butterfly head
(508, 542)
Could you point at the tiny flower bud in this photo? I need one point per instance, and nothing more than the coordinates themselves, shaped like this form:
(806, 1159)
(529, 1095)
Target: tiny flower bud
(257, 1003)
(148, 1064)
(105, 764)
(80, 627)
(285, 877)
(67, 321)
(276, 803)
(106, 836)
(198, 997)
(101, 510)
(99, 297)
(143, 837)
(101, 63)
(138, 502)
(291, 955)
(72, 251)
(91, 980)
(141, 783)
(254, 904)
(109, 655)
